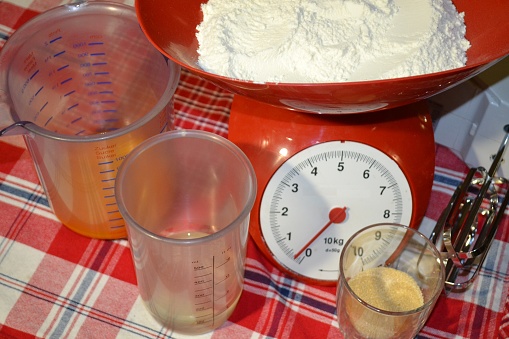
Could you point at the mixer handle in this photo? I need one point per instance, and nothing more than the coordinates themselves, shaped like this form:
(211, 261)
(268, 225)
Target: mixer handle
(466, 228)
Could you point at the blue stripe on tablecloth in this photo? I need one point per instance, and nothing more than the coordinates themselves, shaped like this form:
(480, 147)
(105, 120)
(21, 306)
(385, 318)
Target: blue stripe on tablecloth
(75, 304)
(446, 180)
(27, 194)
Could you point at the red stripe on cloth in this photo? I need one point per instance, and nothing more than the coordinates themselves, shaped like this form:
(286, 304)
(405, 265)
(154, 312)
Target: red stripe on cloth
(60, 247)
(317, 330)
(23, 168)
(10, 155)
(446, 316)
(7, 332)
(124, 269)
(437, 203)
(448, 159)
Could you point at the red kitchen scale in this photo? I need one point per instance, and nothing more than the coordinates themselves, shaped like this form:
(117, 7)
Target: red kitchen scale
(366, 157)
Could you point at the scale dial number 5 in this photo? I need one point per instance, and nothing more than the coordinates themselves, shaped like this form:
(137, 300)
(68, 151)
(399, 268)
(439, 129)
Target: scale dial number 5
(324, 194)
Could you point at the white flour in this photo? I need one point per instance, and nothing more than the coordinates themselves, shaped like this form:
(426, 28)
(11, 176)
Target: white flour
(301, 41)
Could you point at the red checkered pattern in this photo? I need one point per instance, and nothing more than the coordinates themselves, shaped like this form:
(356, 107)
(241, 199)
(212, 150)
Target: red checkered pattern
(57, 284)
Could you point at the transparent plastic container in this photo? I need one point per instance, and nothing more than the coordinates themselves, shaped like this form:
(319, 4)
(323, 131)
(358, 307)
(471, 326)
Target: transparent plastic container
(84, 86)
(186, 197)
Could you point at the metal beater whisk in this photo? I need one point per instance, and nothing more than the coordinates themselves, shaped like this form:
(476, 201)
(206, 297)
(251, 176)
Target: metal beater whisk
(465, 230)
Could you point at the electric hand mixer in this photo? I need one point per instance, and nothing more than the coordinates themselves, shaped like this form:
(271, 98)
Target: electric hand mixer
(322, 177)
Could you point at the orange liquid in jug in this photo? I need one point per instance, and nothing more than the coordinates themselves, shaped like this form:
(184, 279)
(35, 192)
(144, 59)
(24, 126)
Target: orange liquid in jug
(79, 178)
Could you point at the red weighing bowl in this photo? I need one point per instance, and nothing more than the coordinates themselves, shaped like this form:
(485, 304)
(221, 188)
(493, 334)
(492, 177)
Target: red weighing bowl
(171, 27)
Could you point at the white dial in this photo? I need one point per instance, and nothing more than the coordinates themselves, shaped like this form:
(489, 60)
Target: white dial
(321, 196)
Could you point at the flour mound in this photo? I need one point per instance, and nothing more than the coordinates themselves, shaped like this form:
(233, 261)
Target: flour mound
(320, 41)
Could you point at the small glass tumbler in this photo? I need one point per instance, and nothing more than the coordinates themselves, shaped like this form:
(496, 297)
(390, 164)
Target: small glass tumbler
(390, 277)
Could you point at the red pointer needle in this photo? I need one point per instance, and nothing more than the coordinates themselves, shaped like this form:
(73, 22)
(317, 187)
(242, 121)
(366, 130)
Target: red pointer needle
(336, 216)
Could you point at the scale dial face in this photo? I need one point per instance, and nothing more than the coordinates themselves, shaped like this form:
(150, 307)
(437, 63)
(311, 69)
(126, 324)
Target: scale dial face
(321, 196)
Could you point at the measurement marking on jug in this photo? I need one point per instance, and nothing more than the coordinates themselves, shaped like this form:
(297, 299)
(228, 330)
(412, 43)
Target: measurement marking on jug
(222, 281)
(224, 263)
(203, 275)
(76, 120)
(203, 303)
(34, 74)
(97, 54)
(203, 289)
(95, 43)
(101, 73)
(43, 106)
(106, 92)
(99, 63)
(62, 68)
(104, 82)
(48, 121)
(116, 227)
(65, 81)
(59, 53)
(38, 91)
(71, 107)
(69, 93)
(201, 282)
(55, 39)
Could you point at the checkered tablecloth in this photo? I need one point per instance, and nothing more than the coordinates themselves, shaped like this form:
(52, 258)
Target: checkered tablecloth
(57, 284)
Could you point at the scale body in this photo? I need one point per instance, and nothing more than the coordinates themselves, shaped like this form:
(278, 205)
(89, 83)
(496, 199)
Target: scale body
(401, 131)
(298, 159)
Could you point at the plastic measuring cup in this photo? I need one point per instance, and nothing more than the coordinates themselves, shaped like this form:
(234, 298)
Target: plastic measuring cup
(186, 197)
(85, 86)
(380, 305)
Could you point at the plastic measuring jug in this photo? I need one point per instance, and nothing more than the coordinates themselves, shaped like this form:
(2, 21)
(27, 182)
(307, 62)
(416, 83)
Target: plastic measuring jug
(186, 197)
(84, 86)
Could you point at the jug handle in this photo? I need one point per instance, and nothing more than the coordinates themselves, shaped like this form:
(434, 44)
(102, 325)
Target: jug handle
(18, 128)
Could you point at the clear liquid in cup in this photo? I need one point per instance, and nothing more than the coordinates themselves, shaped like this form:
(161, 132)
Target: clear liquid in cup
(201, 290)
